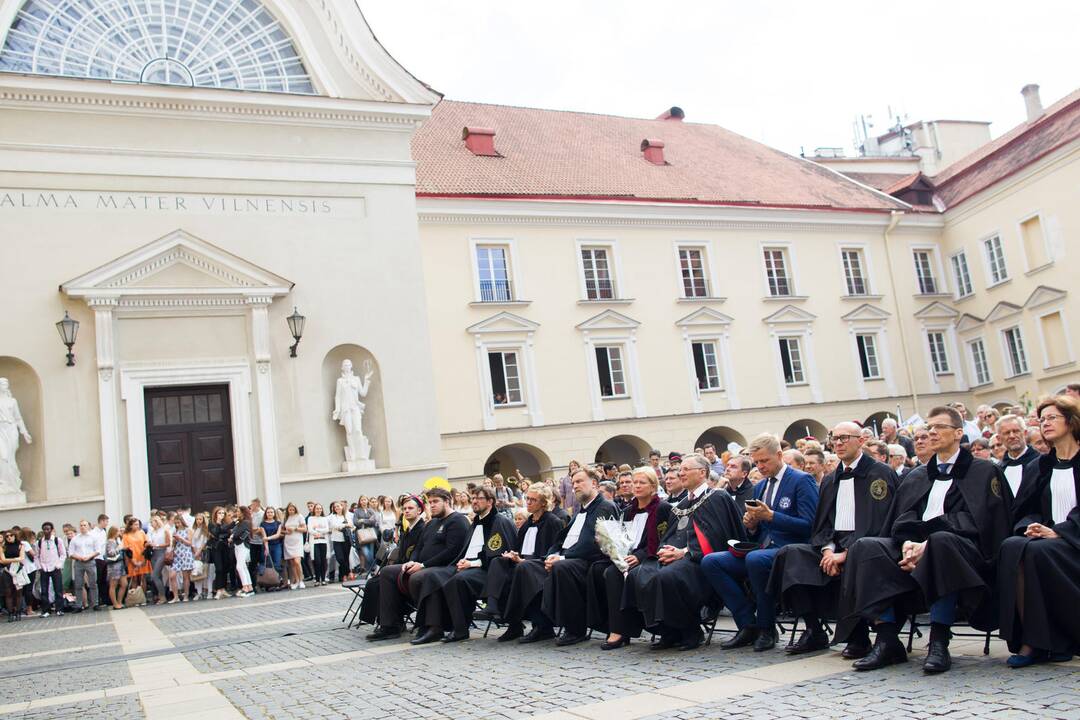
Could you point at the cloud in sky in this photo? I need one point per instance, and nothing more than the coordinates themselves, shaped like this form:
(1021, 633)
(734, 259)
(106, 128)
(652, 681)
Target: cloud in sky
(790, 74)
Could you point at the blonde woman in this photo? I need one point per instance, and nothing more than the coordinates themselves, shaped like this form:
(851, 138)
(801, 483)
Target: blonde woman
(200, 537)
(293, 548)
(161, 543)
(318, 526)
(114, 562)
(183, 559)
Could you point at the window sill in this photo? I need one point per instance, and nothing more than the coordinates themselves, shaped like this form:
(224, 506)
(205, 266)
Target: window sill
(505, 406)
(999, 283)
(1026, 373)
(614, 397)
(797, 384)
(933, 296)
(943, 374)
(613, 301)
(876, 378)
(701, 299)
(1039, 269)
(703, 391)
(1059, 367)
(963, 298)
(861, 297)
(496, 303)
(785, 298)
(986, 384)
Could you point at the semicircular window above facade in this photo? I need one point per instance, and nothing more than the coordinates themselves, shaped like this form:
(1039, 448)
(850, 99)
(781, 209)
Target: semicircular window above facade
(236, 44)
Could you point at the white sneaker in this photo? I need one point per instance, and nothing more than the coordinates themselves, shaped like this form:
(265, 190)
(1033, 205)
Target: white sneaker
(293, 586)
(301, 584)
(44, 614)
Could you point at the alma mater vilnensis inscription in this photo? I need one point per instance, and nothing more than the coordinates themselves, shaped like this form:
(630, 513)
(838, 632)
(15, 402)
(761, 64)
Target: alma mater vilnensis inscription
(286, 205)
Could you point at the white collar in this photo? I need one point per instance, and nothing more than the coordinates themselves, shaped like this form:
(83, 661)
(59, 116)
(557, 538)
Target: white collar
(697, 492)
(779, 473)
(586, 505)
(951, 462)
(858, 459)
(1009, 455)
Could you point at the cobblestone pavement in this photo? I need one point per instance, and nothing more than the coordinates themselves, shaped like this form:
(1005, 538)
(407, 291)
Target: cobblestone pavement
(285, 655)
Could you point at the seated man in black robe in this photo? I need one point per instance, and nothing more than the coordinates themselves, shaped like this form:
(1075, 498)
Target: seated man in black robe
(534, 537)
(853, 503)
(647, 517)
(671, 591)
(939, 540)
(443, 541)
(554, 591)
(412, 510)
(450, 607)
(1012, 432)
(1038, 570)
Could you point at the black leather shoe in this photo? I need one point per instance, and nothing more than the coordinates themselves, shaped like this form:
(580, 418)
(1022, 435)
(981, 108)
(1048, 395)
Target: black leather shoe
(664, 643)
(512, 632)
(938, 659)
(536, 635)
(692, 642)
(855, 650)
(766, 640)
(886, 651)
(385, 633)
(456, 637)
(569, 639)
(745, 636)
(430, 635)
(809, 641)
(621, 642)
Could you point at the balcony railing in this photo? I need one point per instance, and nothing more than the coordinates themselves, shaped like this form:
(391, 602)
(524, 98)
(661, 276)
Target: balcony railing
(496, 291)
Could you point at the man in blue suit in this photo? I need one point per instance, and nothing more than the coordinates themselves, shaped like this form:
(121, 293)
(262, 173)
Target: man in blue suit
(781, 513)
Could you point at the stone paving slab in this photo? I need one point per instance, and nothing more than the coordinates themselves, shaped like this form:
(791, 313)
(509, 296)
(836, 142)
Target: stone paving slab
(61, 638)
(109, 709)
(235, 611)
(62, 682)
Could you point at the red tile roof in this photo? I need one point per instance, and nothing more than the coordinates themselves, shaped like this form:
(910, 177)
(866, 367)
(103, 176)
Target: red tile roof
(880, 180)
(550, 154)
(1013, 151)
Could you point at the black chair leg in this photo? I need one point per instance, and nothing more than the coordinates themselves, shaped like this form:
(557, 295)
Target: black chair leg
(794, 627)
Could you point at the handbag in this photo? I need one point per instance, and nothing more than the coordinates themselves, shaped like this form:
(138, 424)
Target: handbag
(135, 596)
(19, 576)
(198, 570)
(268, 576)
(366, 535)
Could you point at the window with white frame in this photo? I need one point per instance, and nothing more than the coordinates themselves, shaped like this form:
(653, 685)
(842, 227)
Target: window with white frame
(505, 378)
(705, 365)
(924, 271)
(980, 368)
(939, 358)
(854, 274)
(493, 270)
(1015, 355)
(596, 264)
(995, 260)
(792, 361)
(610, 371)
(692, 272)
(868, 356)
(776, 272)
(961, 274)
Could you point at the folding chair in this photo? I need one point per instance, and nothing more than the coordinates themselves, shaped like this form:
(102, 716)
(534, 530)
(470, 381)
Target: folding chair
(356, 587)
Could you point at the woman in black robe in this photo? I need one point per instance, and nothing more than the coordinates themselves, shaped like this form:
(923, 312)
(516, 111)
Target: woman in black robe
(1039, 567)
(605, 586)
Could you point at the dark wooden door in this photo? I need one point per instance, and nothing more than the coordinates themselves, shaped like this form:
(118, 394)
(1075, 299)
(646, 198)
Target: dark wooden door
(189, 447)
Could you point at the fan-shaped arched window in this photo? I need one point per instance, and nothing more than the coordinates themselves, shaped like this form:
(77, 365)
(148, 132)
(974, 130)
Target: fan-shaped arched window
(198, 43)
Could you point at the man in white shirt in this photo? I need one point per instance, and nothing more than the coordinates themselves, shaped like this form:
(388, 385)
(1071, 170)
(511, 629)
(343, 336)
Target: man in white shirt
(83, 551)
(1012, 432)
(101, 533)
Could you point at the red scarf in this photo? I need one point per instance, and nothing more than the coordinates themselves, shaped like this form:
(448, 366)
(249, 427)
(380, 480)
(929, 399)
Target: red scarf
(652, 538)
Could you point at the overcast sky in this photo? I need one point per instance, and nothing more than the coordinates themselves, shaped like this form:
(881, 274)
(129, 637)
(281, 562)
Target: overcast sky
(790, 74)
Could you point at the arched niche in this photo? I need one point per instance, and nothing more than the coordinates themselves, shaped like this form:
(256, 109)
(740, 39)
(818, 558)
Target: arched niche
(803, 428)
(720, 436)
(533, 462)
(374, 408)
(629, 449)
(874, 421)
(26, 388)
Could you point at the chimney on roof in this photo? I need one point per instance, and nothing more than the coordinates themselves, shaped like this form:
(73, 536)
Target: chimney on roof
(672, 113)
(1032, 101)
(480, 140)
(654, 150)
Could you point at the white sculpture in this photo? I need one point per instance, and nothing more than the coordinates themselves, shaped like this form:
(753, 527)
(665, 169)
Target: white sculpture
(349, 412)
(11, 427)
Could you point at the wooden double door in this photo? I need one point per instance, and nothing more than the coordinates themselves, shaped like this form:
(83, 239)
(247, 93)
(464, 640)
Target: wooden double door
(189, 447)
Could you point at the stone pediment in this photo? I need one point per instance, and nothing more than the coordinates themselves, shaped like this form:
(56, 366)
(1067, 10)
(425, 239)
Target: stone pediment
(177, 269)
(704, 317)
(1003, 310)
(503, 322)
(968, 321)
(866, 313)
(790, 314)
(609, 320)
(937, 311)
(1044, 295)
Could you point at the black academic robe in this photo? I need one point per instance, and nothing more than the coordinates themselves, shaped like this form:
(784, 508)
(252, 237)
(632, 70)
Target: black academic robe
(671, 597)
(501, 570)
(441, 543)
(1051, 567)
(451, 605)
(604, 611)
(563, 601)
(796, 575)
(961, 545)
(741, 494)
(369, 604)
(1029, 455)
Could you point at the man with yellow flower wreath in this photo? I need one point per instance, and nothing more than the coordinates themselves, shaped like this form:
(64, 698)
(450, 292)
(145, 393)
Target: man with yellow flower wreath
(451, 606)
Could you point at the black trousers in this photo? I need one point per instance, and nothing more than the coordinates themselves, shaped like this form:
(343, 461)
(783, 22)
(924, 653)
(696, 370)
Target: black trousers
(341, 553)
(256, 553)
(318, 550)
(102, 581)
(224, 566)
(56, 577)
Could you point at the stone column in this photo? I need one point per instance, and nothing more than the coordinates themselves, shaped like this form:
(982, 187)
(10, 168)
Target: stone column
(264, 396)
(108, 406)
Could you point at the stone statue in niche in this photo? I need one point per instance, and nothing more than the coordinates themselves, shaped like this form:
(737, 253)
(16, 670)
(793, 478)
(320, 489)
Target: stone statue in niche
(349, 412)
(11, 427)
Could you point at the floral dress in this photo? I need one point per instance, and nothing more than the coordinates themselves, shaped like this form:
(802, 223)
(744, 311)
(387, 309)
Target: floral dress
(116, 566)
(182, 557)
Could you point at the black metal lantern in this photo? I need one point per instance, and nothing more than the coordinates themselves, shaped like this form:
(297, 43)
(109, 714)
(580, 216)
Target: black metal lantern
(296, 327)
(69, 330)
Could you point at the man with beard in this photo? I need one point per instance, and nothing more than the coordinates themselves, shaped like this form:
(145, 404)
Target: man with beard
(854, 502)
(442, 543)
(1011, 431)
(943, 529)
(534, 537)
(554, 590)
(451, 605)
(671, 590)
(737, 475)
(412, 511)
